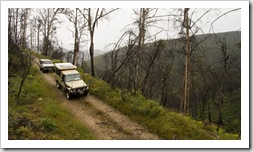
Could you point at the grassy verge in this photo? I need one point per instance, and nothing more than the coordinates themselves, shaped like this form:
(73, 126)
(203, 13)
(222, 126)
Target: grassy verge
(166, 124)
(39, 114)
(40, 56)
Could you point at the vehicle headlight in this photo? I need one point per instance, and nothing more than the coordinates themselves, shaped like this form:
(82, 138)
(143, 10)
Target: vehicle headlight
(71, 90)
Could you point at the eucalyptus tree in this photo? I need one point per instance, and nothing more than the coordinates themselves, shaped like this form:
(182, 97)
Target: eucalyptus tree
(38, 35)
(146, 18)
(14, 23)
(48, 20)
(191, 23)
(17, 25)
(189, 29)
(19, 62)
(135, 65)
(80, 25)
(186, 87)
(92, 17)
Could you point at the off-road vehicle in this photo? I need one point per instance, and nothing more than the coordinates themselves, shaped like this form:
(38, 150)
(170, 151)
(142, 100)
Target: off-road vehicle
(68, 79)
(46, 65)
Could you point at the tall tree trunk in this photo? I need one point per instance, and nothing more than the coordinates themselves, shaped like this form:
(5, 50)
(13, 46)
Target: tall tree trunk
(209, 112)
(220, 102)
(46, 40)
(186, 87)
(224, 73)
(9, 22)
(92, 22)
(76, 43)
(142, 20)
(92, 54)
(91, 30)
(16, 27)
(31, 36)
(38, 39)
(46, 46)
(24, 75)
(142, 27)
(24, 28)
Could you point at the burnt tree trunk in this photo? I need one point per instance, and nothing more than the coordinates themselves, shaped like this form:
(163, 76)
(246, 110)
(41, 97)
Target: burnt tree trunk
(92, 56)
(186, 85)
(76, 42)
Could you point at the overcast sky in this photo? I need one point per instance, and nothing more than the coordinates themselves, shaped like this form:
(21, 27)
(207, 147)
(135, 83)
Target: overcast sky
(110, 30)
(226, 25)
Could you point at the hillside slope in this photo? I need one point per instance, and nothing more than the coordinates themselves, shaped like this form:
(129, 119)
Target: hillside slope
(101, 121)
(209, 44)
(158, 71)
(118, 115)
(159, 120)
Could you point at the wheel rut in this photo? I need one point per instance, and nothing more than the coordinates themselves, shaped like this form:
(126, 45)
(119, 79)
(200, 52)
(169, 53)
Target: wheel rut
(103, 120)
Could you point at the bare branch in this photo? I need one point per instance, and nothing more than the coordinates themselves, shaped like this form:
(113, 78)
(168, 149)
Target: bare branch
(211, 26)
(201, 17)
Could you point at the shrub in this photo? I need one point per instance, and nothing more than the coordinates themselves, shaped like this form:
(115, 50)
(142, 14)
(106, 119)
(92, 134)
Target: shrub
(47, 124)
(168, 125)
(40, 119)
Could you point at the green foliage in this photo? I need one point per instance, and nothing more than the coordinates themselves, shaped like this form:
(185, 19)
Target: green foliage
(231, 112)
(41, 56)
(166, 124)
(41, 115)
(232, 109)
(47, 124)
(215, 69)
(46, 57)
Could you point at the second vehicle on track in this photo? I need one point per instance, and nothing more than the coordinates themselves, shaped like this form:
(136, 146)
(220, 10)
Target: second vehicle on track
(46, 65)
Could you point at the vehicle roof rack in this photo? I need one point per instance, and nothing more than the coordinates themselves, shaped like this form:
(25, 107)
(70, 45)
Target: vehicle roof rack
(65, 66)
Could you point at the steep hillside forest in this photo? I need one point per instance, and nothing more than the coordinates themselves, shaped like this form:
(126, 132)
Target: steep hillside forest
(189, 85)
(215, 75)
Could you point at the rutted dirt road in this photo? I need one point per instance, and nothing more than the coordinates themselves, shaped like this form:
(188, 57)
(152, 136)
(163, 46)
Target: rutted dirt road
(104, 121)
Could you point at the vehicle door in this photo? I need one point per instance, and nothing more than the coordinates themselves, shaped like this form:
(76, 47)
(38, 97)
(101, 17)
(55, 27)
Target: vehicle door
(62, 82)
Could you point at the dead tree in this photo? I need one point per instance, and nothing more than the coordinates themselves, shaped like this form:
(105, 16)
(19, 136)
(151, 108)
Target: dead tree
(48, 18)
(77, 19)
(93, 18)
(26, 65)
(186, 79)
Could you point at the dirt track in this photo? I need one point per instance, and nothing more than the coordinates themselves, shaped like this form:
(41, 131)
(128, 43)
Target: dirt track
(104, 121)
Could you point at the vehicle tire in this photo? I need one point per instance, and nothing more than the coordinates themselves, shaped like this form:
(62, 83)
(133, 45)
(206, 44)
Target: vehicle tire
(58, 85)
(85, 93)
(68, 95)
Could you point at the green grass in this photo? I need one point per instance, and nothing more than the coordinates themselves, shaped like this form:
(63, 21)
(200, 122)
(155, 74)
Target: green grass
(40, 56)
(39, 114)
(168, 125)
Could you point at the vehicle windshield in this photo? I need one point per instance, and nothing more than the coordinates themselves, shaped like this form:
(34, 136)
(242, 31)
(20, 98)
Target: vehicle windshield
(72, 77)
(47, 62)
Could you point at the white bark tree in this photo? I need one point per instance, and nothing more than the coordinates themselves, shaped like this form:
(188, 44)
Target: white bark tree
(48, 18)
(93, 16)
(77, 19)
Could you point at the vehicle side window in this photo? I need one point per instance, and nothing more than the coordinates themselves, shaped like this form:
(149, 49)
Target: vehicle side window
(58, 72)
(63, 77)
